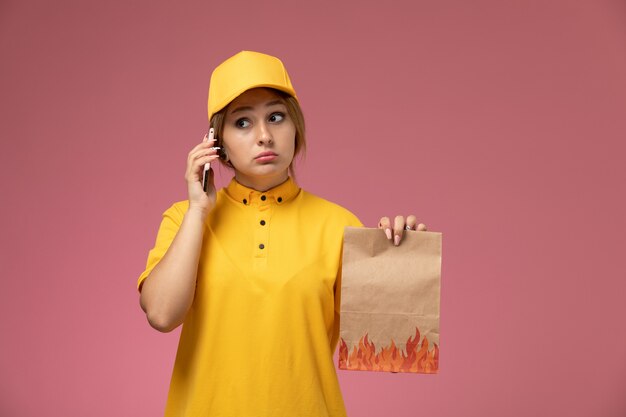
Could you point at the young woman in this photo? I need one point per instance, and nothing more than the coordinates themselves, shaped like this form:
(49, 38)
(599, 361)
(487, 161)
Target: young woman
(252, 270)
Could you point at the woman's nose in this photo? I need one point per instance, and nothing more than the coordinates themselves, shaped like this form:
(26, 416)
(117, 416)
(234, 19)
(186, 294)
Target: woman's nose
(264, 134)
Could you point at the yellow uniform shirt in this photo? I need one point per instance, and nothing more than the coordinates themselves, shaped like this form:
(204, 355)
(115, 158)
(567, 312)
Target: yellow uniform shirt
(259, 338)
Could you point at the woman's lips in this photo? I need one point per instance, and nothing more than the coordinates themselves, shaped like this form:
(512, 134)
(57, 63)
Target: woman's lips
(265, 157)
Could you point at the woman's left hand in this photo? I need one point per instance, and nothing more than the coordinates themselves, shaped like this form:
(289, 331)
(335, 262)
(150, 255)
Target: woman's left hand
(396, 231)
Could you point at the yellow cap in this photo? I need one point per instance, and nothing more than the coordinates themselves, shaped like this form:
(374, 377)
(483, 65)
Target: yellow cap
(242, 72)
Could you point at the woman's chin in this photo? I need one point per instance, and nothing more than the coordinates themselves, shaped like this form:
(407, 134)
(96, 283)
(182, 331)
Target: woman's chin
(266, 170)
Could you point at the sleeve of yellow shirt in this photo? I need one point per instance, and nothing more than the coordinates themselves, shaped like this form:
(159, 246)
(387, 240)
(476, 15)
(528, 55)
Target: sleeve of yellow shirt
(337, 293)
(172, 219)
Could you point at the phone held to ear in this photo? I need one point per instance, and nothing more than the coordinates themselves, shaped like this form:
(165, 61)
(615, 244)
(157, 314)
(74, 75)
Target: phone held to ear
(207, 166)
(221, 154)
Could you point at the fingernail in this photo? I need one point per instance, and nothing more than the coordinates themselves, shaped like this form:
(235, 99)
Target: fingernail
(396, 240)
(388, 233)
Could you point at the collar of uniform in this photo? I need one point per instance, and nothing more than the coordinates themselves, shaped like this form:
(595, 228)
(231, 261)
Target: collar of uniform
(279, 194)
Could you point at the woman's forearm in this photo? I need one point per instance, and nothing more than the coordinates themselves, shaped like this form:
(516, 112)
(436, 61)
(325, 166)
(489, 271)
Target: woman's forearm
(167, 293)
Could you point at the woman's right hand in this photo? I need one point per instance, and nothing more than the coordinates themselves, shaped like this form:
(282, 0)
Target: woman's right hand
(200, 155)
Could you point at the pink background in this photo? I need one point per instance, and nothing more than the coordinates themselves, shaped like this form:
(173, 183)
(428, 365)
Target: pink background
(500, 124)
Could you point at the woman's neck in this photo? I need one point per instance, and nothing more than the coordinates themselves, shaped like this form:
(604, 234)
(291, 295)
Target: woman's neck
(261, 183)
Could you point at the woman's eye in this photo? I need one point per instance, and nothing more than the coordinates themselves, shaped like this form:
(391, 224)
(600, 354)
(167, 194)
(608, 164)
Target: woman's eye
(276, 117)
(242, 123)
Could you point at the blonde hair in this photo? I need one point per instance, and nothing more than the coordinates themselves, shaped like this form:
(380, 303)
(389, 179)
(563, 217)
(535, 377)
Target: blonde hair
(295, 113)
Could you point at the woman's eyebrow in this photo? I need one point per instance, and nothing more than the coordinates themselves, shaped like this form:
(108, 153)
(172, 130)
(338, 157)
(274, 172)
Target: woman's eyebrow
(242, 108)
(246, 108)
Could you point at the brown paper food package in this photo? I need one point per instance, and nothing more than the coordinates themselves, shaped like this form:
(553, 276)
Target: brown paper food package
(390, 302)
